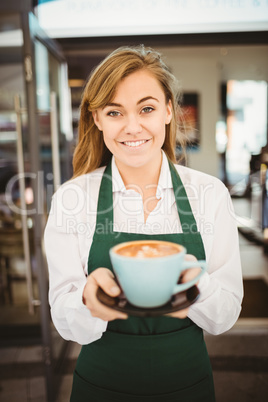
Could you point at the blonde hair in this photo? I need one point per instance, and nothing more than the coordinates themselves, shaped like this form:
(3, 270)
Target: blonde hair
(91, 151)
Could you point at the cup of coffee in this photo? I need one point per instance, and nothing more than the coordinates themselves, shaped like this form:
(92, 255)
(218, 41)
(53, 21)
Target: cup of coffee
(148, 271)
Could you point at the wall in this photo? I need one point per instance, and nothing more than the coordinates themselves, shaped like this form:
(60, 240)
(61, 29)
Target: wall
(202, 69)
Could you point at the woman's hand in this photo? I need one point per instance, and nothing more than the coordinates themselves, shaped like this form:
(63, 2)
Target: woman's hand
(104, 278)
(186, 276)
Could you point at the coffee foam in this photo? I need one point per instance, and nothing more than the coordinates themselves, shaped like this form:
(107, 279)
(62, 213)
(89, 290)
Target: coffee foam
(148, 249)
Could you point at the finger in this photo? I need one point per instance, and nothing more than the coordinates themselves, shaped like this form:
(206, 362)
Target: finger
(105, 279)
(190, 257)
(97, 308)
(179, 314)
(189, 274)
(106, 313)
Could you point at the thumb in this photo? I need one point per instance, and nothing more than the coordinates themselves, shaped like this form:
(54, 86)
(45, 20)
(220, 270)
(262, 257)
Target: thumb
(105, 279)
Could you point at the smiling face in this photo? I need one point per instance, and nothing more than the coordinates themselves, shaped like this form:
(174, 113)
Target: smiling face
(134, 122)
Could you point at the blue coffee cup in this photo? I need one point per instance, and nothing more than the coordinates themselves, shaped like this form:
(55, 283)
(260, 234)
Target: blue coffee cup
(150, 282)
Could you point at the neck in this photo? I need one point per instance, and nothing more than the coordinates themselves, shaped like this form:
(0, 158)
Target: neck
(141, 178)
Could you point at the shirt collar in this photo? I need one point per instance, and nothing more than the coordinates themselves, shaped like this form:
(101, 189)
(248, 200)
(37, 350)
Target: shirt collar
(118, 184)
(165, 175)
(163, 183)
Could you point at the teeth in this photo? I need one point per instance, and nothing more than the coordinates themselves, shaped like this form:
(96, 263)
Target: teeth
(134, 143)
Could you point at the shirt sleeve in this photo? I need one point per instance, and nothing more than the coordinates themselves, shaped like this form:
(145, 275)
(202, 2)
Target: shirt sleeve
(67, 279)
(221, 287)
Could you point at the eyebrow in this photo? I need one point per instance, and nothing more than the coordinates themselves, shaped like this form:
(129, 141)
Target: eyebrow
(147, 98)
(138, 103)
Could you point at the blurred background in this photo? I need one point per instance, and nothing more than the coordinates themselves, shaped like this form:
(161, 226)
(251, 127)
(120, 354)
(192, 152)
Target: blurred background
(218, 50)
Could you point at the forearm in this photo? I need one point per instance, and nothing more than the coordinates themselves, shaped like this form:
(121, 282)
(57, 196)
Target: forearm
(73, 320)
(218, 309)
(221, 287)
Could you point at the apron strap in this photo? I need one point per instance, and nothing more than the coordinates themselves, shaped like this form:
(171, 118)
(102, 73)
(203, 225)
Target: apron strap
(105, 200)
(187, 219)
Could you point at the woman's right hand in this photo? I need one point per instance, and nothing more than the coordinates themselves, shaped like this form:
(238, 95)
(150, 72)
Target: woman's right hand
(104, 278)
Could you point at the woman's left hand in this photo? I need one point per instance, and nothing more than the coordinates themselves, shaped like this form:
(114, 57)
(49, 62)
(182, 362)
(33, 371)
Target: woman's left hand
(186, 276)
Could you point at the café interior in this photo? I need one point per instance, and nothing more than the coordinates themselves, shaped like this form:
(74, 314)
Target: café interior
(223, 72)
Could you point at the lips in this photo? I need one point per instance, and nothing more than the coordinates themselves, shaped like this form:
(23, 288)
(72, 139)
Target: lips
(134, 144)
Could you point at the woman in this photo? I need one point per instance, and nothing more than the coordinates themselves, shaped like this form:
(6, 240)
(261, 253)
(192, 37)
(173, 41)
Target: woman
(126, 187)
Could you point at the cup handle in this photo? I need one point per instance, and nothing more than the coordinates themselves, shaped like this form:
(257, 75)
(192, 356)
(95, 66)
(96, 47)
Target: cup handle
(191, 264)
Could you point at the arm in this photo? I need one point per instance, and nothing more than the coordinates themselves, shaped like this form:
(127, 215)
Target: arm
(221, 288)
(67, 280)
(69, 284)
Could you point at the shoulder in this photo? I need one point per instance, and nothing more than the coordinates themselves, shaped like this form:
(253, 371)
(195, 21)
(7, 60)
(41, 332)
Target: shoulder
(79, 191)
(192, 177)
(207, 194)
(82, 183)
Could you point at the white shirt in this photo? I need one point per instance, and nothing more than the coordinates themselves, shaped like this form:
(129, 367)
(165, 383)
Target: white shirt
(70, 228)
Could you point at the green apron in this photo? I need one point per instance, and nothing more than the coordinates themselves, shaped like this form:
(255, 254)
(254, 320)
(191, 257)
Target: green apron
(144, 359)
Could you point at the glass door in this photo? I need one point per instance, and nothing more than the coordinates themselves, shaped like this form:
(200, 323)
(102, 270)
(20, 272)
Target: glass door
(35, 143)
(17, 321)
(54, 118)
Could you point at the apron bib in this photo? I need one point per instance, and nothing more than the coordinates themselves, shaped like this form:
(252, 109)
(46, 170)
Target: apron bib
(151, 358)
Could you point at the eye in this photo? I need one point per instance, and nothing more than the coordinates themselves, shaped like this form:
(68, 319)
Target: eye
(147, 109)
(113, 113)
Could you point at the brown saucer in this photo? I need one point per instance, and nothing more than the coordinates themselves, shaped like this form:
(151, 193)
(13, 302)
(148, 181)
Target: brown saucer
(178, 302)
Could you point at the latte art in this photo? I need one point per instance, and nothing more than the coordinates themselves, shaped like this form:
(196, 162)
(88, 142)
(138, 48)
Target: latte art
(148, 249)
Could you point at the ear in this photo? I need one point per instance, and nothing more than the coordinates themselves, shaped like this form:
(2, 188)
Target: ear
(96, 119)
(169, 112)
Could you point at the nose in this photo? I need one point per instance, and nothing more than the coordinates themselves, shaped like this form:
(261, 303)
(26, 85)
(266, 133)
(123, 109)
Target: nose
(132, 125)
